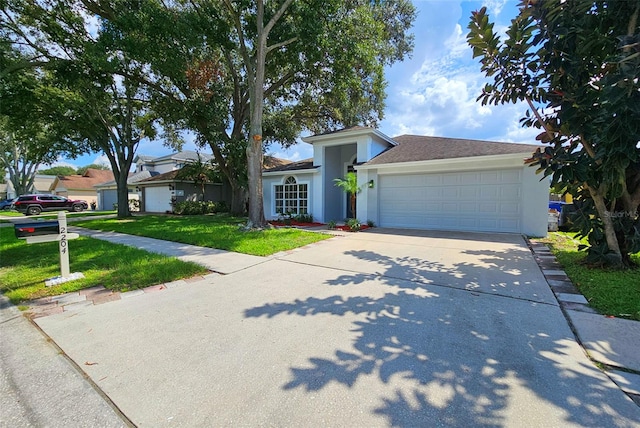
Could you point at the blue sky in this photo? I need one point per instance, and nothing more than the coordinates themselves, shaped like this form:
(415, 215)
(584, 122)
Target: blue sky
(431, 93)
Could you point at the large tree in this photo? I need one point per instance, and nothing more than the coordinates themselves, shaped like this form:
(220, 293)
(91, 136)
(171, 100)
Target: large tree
(243, 75)
(577, 64)
(109, 110)
(30, 116)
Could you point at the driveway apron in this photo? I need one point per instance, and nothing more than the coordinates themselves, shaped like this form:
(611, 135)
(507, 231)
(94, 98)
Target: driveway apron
(383, 328)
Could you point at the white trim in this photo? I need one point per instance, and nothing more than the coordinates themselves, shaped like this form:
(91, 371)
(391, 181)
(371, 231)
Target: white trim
(345, 134)
(466, 163)
(274, 214)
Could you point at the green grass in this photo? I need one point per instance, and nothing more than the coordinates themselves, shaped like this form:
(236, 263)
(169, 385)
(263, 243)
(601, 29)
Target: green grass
(52, 214)
(610, 292)
(24, 268)
(214, 231)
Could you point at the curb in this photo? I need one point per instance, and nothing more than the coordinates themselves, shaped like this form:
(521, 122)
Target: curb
(570, 299)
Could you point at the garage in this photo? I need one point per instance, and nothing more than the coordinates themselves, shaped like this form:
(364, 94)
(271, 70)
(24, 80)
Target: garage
(488, 201)
(157, 199)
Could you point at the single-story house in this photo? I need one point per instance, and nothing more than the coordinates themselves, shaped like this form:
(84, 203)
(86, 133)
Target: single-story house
(107, 192)
(414, 182)
(41, 184)
(158, 191)
(81, 186)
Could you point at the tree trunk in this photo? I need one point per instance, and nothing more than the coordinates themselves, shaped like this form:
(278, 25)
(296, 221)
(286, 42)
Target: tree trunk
(123, 193)
(254, 146)
(609, 230)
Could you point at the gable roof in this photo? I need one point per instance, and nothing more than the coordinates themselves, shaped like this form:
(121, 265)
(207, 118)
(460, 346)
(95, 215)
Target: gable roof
(185, 155)
(133, 178)
(412, 148)
(351, 131)
(83, 182)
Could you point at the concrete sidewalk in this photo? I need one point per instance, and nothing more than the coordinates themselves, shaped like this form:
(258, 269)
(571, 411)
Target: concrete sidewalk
(224, 262)
(613, 342)
(368, 336)
(39, 386)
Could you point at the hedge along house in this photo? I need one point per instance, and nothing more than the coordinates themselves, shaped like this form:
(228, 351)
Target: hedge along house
(414, 182)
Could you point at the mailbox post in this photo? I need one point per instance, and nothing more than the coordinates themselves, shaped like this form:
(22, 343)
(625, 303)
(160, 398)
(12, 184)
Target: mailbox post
(35, 233)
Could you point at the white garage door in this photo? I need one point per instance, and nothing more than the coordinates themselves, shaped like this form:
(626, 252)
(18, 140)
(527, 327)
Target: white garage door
(157, 199)
(488, 201)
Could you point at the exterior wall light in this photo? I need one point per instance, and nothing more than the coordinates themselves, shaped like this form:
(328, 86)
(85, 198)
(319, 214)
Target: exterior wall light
(370, 184)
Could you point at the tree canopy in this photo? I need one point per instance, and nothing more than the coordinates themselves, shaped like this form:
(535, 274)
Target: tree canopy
(240, 74)
(577, 64)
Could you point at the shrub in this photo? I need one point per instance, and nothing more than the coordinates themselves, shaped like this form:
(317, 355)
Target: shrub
(331, 225)
(304, 218)
(354, 224)
(134, 205)
(198, 207)
(370, 223)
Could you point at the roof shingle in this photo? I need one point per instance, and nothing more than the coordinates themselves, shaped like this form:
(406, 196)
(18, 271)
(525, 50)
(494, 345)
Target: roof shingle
(412, 148)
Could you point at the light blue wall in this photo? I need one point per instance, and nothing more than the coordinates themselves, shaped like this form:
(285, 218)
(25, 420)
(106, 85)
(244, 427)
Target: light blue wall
(336, 159)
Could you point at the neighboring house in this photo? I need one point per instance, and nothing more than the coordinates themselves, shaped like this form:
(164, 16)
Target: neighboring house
(41, 184)
(81, 186)
(414, 182)
(107, 192)
(161, 186)
(168, 163)
(157, 192)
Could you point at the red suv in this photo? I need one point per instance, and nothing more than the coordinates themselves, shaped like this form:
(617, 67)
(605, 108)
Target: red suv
(35, 204)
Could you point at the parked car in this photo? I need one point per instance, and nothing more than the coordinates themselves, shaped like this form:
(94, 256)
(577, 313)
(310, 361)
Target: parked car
(35, 204)
(6, 204)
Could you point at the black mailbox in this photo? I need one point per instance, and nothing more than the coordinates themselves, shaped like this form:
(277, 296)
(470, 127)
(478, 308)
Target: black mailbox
(24, 230)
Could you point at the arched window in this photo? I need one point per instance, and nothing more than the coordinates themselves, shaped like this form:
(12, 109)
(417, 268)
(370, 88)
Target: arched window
(291, 197)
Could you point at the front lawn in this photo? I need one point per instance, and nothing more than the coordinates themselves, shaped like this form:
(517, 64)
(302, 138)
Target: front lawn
(52, 215)
(610, 292)
(215, 231)
(24, 267)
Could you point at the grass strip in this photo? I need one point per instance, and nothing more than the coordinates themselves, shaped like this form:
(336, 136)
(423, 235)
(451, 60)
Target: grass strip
(24, 267)
(214, 231)
(610, 292)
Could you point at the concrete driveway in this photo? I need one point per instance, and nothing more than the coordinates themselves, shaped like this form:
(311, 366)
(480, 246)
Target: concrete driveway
(382, 328)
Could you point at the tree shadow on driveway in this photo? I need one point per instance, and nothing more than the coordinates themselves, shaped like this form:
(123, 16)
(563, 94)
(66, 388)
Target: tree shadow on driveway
(451, 356)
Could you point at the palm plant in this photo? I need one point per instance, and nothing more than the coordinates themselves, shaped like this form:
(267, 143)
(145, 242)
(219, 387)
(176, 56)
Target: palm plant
(349, 184)
(199, 172)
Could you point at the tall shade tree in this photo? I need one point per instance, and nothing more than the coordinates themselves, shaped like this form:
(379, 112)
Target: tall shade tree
(109, 109)
(243, 75)
(577, 64)
(30, 131)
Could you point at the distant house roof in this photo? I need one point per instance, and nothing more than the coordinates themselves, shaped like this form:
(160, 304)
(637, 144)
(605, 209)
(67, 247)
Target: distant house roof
(167, 176)
(293, 166)
(82, 182)
(273, 162)
(185, 155)
(412, 148)
(133, 178)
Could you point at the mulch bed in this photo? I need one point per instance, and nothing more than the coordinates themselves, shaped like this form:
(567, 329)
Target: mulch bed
(348, 229)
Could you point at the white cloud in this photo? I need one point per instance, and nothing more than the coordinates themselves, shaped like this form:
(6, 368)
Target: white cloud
(439, 96)
(102, 160)
(494, 7)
